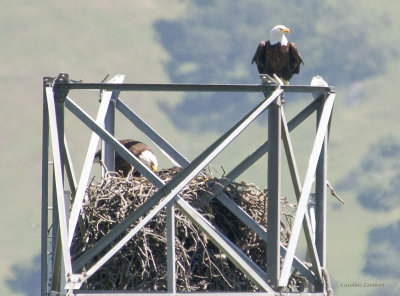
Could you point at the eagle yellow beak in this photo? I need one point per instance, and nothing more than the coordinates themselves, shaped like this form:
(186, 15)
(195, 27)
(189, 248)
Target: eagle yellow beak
(154, 168)
(285, 30)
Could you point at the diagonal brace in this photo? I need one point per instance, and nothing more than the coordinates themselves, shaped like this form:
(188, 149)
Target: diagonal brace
(302, 204)
(81, 189)
(170, 152)
(58, 169)
(241, 167)
(172, 188)
(297, 188)
(248, 267)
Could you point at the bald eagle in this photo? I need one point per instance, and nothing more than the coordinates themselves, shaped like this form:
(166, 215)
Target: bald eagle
(140, 150)
(278, 55)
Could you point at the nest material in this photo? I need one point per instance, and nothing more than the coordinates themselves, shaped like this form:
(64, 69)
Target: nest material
(200, 266)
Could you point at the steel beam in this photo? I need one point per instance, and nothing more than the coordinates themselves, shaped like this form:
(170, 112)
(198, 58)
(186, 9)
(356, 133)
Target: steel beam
(302, 204)
(45, 193)
(321, 180)
(241, 261)
(179, 181)
(87, 166)
(320, 192)
(264, 148)
(115, 144)
(316, 266)
(185, 87)
(125, 293)
(167, 194)
(121, 243)
(108, 155)
(171, 258)
(60, 92)
(179, 159)
(60, 255)
(170, 152)
(274, 193)
(262, 233)
(69, 168)
(241, 167)
(88, 163)
(58, 177)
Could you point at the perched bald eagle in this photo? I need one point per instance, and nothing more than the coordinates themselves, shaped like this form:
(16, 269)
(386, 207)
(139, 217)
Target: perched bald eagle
(278, 55)
(140, 150)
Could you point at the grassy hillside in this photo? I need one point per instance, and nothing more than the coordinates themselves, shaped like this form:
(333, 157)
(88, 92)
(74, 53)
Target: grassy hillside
(41, 39)
(354, 130)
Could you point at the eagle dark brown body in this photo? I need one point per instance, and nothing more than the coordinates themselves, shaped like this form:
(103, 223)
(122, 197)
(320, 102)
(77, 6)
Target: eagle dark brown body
(282, 60)
(136, 147)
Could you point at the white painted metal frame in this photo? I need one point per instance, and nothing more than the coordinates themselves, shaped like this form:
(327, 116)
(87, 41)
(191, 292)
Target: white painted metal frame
(168, 194)
(322, 131)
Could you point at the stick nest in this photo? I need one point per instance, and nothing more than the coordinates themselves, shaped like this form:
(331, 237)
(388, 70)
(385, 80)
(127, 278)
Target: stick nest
(200, 266)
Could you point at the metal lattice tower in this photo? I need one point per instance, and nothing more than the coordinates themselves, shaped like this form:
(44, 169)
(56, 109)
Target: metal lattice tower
(61, 275)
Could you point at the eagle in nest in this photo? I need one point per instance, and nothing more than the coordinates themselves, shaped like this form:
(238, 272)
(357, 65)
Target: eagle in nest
(140, 150)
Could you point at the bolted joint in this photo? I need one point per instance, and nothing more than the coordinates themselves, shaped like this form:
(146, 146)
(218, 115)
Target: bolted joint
(60, 87)
(48, 81)
(267, 80)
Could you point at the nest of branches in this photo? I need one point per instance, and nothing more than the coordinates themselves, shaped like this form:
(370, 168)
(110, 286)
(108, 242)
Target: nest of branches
(141, 264)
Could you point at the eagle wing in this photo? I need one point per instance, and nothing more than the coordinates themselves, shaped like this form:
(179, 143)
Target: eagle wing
(295, 58)
(259, 57)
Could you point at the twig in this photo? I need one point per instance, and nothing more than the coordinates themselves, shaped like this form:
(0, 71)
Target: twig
(333, 192)
(141, 264)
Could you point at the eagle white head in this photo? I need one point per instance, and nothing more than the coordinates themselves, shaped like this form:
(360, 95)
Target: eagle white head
(277, 34)
(149, 159)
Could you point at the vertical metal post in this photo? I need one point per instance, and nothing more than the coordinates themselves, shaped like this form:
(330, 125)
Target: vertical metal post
(55, 253)
(171, 268)
(45, 191)
(60, 92)
(107, 152)
(273, 205)
(320, 194)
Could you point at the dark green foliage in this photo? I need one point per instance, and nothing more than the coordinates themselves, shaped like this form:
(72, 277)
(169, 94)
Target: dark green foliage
(216, 41)
(383, 253)
(377, 180)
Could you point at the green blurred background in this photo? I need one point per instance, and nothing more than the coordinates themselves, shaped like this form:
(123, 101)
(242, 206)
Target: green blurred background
(353, 44)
